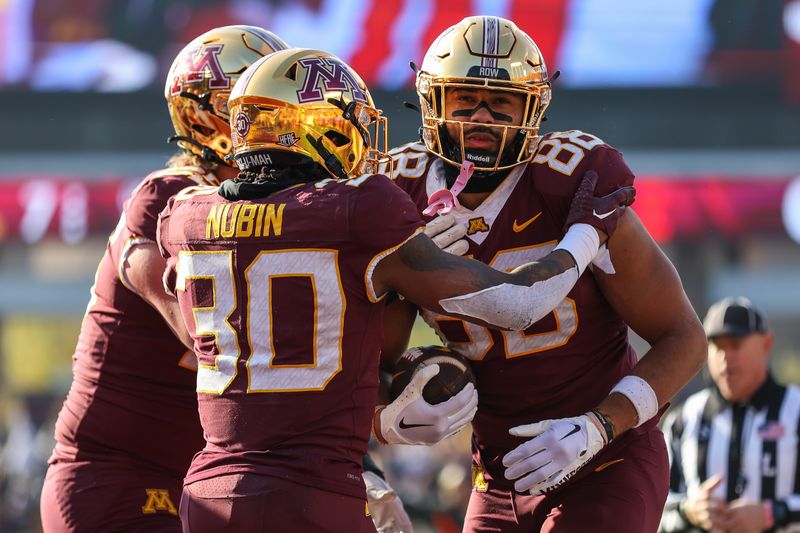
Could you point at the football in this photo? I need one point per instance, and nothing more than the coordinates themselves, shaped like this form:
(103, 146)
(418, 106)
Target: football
(454, 373)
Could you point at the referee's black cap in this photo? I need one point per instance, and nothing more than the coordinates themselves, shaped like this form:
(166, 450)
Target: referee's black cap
(734, 316)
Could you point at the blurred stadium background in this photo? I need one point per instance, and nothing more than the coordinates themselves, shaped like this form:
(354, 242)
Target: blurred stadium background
(702, 96)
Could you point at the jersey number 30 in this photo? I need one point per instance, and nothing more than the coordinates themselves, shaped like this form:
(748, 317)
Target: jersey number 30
(318, 265)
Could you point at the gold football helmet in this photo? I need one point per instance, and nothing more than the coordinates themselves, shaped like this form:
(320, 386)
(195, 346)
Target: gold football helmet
(200, 81)
(300, 103)
(483, 53)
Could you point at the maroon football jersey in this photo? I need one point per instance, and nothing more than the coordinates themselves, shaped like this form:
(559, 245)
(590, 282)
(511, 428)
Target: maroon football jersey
(132, 392)
(566, 363)
(277, 293)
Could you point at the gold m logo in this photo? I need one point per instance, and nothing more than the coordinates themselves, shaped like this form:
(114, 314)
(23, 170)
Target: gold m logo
(334, 75)
(158, 500)
(476, 225)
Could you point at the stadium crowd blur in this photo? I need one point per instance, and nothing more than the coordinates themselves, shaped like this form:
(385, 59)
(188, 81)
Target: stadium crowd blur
(703, 96)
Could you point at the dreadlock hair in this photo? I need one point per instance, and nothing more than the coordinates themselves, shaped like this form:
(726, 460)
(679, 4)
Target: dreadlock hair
(300, 172)
(184, 158)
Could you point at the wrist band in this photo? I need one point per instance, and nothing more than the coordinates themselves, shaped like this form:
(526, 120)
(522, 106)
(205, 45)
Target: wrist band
(607, 426)
(582, 242)
(641, 395)
(780, 513)
(769, 517)
(376, 424)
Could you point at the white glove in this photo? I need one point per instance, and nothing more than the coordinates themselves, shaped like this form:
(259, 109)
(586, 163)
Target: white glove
(411, 420)
(558, 449)
(447, 234)
(385, 506)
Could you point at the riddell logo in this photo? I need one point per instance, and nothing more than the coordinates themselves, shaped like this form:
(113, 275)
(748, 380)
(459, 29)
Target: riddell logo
(198, 65)
(334, 76)
(479, 158)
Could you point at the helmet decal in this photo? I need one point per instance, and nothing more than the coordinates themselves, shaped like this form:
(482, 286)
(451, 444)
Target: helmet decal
(491, 36)
(334, 76)
(288, 139)
(241, 124)
(200, 64)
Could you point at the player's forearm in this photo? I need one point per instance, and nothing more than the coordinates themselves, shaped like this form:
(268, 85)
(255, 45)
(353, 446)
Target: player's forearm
(554, 263)
(672, 361)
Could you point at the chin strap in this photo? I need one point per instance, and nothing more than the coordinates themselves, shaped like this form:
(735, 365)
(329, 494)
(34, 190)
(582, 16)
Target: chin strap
(203, 100)
(349, 114)
(205, 152)
(330, 161)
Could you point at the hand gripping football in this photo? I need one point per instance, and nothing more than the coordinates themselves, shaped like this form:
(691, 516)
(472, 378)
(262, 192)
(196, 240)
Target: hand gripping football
(454, 373)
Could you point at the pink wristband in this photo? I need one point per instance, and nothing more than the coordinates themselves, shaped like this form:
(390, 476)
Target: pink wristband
(769, 518)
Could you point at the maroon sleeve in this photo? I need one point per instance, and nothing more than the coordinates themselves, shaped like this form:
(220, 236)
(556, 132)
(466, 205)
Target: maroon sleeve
(147, 201)
(383, 215)
(557, 189)
(164, 246)
(610, 167)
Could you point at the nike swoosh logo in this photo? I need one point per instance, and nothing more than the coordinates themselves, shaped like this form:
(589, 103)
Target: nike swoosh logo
(519, 227)
(604, 215)
(606, 465)
(575, 428)
(403, 425)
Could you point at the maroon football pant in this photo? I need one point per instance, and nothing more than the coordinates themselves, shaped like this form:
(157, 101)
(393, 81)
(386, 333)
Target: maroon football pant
(624, 493)
(255, 504)
(101, 496)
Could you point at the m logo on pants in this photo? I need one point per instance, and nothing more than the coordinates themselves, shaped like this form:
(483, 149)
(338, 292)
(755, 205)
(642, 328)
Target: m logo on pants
(158, 500)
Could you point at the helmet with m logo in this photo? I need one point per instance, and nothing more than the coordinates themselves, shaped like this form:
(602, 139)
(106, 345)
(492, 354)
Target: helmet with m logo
(300, 105)
(200, 81)
(483, 53)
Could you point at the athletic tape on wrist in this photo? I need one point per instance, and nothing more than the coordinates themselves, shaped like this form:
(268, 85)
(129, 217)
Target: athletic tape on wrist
(582, 242)
(641, 395)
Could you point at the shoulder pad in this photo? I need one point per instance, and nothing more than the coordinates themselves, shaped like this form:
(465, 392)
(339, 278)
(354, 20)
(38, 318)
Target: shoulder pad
(196, 174)
(408, 147)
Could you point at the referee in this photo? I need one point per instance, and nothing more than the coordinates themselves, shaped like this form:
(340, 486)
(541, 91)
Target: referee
(733, 446)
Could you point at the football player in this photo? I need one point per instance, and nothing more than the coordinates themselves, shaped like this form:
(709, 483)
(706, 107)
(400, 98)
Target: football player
(129, 425)
(280, 275)
(565, 435)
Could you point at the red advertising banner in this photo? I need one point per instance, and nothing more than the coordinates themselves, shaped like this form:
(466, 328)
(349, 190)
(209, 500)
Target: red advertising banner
(38, 207)
(35, 207)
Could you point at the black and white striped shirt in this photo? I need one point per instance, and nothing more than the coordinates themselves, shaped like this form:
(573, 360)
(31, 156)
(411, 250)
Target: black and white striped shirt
(753, 445)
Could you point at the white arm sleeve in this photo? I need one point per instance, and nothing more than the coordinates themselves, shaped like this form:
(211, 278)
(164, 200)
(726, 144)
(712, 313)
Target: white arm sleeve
(514, 307)
(517, 307)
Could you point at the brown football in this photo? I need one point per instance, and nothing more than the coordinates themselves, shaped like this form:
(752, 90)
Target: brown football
(454, 373)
